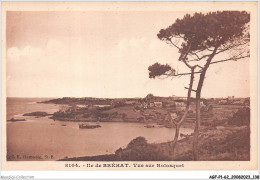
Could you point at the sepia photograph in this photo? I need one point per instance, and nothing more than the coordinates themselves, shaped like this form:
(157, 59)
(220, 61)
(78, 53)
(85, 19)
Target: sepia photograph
(120, 85)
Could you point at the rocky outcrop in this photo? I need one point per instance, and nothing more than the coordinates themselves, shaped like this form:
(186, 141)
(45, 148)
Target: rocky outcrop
(37, 113)
(15, 120)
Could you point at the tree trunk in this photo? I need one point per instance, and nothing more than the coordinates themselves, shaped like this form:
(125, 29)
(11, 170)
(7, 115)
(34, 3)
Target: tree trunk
(179, 123)
(177, 131)
(196, 130)
(198, 96)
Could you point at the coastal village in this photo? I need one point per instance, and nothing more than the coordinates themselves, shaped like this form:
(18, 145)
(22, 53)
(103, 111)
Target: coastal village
(150, 110)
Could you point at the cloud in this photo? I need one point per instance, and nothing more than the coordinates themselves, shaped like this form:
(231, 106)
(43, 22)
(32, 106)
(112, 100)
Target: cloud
(68, 67)
(16, 54)
(53, 46)
(126, 43)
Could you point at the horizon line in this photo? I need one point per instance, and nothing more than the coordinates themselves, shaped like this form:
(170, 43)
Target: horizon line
(120, 97)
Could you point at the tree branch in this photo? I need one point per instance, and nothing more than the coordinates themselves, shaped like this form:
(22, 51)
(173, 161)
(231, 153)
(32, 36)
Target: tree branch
(230, 47)
(230, 59)
(220, 51)
(209, 49)
(174, 122)
(173, 44)
(191, 89)
(183, 59)
(181, 74)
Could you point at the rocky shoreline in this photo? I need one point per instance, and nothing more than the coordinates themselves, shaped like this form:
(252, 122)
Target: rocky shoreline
(15, 120)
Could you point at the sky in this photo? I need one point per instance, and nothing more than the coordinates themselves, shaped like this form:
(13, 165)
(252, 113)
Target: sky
(103, 54)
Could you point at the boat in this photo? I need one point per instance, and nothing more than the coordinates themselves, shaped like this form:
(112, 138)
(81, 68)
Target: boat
(149, 126)
(88, 126)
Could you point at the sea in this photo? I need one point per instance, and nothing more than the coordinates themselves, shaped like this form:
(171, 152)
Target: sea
(41, 138)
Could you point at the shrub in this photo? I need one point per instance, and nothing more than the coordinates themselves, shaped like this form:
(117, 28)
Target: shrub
(139, 141)
(139, 150)
(241, 117)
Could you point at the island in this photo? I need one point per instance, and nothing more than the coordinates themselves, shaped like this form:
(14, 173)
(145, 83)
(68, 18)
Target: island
(15, 120)
(37, 113)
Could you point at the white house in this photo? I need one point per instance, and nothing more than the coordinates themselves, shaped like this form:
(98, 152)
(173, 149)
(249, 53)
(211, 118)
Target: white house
(158, 104)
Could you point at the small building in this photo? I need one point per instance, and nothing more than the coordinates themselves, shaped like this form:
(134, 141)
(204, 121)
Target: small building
(82, 105)
(151, 105)
(158, 104)
(173, 116)
(130, 102)
(63, 108)
(231, 98)
(145, 105)
(101, 105)
(239, 101)
(202, 104)
(223, 101)
(180, 106)
(179, 103)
